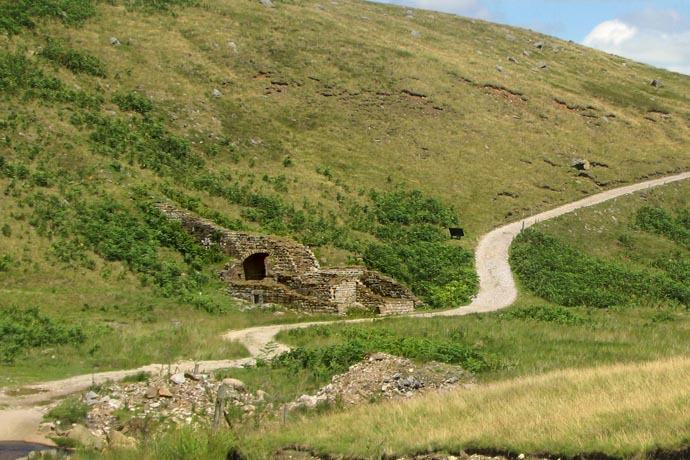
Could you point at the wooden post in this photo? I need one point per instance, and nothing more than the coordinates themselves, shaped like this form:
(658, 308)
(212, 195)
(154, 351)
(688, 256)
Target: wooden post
(221, 399)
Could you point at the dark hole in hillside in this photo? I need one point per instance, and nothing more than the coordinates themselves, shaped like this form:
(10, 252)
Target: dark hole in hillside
(255, 266)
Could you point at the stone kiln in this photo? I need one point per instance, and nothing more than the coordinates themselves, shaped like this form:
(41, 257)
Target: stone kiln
(276, 270)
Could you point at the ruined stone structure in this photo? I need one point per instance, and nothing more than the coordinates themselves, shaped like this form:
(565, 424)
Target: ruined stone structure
(276, 270)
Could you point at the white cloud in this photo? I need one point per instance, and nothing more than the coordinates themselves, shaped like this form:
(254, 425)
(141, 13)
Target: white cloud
(657, 37)
(610, 34)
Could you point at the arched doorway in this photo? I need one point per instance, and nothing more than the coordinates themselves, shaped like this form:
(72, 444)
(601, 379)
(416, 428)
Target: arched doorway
(255, 266)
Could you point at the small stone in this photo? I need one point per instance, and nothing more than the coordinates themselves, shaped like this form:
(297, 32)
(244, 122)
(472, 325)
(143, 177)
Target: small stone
(216, 93)
(416, 34)
(521, 457)
(656, 83)
(267, 3)
(261, 396)
(541, 65)
(499, 68)
(178, 379)
(539, 45)
(114, 41)
(232, 46)
(151, 393)
(165, 392)
(512, 59)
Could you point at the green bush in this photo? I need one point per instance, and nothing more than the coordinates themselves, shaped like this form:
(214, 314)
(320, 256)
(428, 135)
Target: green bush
(74, 60)
(68, 411)
(22, 329)
(661, 222)
(403, 207)
(134, 102)
(327, 361)
(16, 15)
(563, 275)
(158, 5)
(546, 313)
(427, 268)
(19, 75)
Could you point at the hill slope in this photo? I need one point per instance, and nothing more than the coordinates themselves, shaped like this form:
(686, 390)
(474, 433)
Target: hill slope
(341, 125)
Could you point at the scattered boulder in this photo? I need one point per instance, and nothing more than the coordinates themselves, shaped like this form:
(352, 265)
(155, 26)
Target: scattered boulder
(541, 65)
(383, 376)
(117, 440)
(512, 59)
(216, 93)
(235, 384)
(178, 379)
(114, 41)
(581, 164)
(416, 34)
(656, 83)
(151, 393)
(164, 392)
(499, 68)
(91, 398)
(83, 436)
(539, 45)
(232, 46)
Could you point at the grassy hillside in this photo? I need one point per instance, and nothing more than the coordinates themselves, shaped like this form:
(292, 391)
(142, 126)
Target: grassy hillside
(341, 125)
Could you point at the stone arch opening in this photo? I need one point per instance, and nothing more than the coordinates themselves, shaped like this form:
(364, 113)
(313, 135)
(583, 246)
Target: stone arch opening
(255, 266)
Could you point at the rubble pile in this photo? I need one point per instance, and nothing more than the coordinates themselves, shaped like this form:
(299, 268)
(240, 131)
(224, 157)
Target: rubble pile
(384, 376)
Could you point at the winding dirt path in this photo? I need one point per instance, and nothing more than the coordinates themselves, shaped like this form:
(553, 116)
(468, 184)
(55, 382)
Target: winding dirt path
(20, 415)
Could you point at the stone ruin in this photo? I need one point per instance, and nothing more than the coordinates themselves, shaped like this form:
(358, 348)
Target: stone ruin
(269, 269)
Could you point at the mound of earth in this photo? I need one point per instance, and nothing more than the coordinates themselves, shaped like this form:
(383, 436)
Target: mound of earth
(384, 376)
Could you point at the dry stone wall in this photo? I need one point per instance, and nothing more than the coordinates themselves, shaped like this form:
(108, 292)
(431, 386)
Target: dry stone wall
(291, 275)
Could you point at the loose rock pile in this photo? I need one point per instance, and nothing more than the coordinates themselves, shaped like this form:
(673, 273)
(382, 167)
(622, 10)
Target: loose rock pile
(383, 376)
(119, 412)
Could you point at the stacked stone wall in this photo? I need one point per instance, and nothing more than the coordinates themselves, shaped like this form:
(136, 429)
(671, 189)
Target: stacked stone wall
(293, 276)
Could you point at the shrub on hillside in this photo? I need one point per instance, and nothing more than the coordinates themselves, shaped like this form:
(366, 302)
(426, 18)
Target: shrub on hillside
(561, 274)
(74, 60)
(327, 361)
(22, 329)
(546, 313)
(16, 15)
(133, 102)
(661, 222)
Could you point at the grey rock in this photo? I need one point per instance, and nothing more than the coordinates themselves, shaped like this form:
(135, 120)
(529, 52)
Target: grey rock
(178, 378)
(512, 59)
(114, 41)
(541, 65)
(416, 34)
(581, 164)
(499, 68)
(267, 3)
(232, 46)
(216, 93)
(539, 45)
(91, 398)
(656, 83)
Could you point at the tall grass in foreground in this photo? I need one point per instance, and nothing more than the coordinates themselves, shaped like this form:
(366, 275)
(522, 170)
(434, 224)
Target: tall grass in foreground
(620, 410)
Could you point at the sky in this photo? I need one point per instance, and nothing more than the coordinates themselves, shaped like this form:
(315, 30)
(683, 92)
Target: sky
(654, 32)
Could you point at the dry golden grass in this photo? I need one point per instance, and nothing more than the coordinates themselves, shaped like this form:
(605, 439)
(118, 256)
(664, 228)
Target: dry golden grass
(621, 410)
